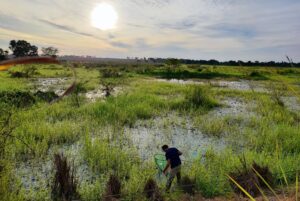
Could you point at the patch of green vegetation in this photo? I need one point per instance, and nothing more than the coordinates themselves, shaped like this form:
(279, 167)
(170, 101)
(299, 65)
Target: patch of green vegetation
(17, 99)
(198, 96)
(8, 84)
(108, 158)
(40, 71)
(144, 102)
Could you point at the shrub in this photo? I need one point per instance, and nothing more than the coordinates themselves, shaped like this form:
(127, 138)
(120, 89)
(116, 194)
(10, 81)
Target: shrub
(110, 72)
(48, 96)
(17, 99)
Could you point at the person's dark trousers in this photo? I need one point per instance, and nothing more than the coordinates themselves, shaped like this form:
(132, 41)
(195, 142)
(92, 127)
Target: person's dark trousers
(174, 172)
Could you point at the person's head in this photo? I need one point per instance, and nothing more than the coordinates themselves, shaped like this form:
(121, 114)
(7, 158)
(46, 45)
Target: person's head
(165, 148)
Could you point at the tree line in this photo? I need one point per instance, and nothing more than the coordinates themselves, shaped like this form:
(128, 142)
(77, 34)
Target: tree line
(176, 62)
(22, 48)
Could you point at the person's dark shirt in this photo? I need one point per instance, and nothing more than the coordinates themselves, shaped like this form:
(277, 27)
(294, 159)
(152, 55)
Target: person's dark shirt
(173, 155)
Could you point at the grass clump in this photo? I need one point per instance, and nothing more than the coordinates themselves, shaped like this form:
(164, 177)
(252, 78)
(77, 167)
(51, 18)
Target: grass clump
(253, 180)
(199, 97)
(152, 191)
(113, 189)
(105, 158)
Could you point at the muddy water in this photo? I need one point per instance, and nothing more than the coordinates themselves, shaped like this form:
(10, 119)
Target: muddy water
(292, 103)
(233, 107)
(242, 85)
(174, 130)
(147, 136)
(100, 93)
(57, 85)
(38, 175)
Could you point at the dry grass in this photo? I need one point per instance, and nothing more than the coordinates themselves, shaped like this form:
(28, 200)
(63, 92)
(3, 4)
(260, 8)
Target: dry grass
(113, 189)
(152, 192)
(64, 184)
(250, 181)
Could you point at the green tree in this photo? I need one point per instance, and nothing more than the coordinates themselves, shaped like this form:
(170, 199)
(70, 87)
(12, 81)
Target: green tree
(3, 54)
(22, 48)
(173, 62)
(50, 51)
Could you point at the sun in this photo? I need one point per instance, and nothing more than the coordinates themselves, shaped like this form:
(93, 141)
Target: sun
(104, 17)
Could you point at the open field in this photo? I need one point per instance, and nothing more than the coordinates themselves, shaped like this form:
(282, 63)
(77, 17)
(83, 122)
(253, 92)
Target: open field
(119, 116)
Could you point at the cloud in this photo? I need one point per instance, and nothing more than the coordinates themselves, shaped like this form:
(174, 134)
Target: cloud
(185, 24)
(120, 44)
(152, 3)
(66, 28)
(231, 30)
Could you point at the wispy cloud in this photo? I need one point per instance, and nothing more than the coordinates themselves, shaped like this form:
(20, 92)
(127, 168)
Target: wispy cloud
(66, 28)
(185, 24)
(120, 44)
(231, 30)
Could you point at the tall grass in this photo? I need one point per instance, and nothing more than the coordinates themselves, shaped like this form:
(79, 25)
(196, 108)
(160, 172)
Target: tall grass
(270, 138)
(105, 158)
(199, 97)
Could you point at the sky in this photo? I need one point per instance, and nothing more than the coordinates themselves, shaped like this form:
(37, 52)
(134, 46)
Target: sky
(194, 29)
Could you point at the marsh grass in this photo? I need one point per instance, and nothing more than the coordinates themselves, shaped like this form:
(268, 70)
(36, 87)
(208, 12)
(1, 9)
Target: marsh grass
(213, 126)
(43, 126)
(19, 99)
(107, 158)
(198, 97)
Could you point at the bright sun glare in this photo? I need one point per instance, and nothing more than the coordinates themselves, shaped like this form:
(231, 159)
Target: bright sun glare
(104, 16)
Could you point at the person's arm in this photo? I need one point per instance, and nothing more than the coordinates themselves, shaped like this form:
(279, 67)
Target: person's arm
(167, 166)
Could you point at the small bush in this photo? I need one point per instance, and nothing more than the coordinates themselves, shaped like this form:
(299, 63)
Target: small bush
(17, 99)
(110, 73)
(48, 96)
(254, 74)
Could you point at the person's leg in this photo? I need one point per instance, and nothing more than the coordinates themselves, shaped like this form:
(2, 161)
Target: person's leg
(178, 175)
(170, 179)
